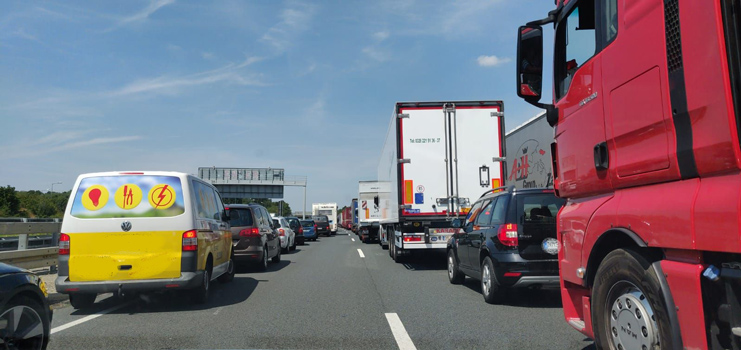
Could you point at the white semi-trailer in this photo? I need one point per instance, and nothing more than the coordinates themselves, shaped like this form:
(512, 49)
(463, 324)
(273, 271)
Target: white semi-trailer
(529, 154)
(328, 209)
(369, 213)
(438, 158)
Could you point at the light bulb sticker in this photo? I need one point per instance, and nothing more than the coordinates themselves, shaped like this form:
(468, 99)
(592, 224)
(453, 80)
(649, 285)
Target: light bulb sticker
(161, 196)
(94, 197)
(128, 196)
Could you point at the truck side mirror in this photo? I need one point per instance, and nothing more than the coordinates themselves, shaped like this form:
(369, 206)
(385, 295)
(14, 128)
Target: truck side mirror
(530, 63)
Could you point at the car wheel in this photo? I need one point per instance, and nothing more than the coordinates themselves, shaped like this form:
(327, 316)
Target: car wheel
(264, 263)
(228, 276)
(82, 300)
(286, 249)
(491, 290)
(627, 301)
(454, 274)
(293, 247)
(200, 293)
(25, 324)
(276, 258)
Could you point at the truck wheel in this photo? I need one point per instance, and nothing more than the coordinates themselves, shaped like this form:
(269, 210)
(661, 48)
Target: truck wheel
(397, 257)
(82, 300)
(491, 290)
(454, 274)
(628, 307)
(228, 276)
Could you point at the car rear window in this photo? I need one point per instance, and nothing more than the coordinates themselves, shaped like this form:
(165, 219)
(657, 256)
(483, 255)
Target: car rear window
(321, 218)
(276, 223)
(128, 196)
(240, 217)
(307, 223)
(539, 208)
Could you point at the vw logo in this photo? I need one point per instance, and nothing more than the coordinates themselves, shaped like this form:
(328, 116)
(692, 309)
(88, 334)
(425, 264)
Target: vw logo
(126, 226)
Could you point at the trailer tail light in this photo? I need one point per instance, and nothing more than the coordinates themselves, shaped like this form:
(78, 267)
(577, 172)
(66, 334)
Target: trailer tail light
(63, 244)
(508, 235)
(250, 232)
(412, 238)
(282, 232)
(190, 240)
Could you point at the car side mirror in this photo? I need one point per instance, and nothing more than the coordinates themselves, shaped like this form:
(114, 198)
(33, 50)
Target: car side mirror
(456, 223)
(530, 63)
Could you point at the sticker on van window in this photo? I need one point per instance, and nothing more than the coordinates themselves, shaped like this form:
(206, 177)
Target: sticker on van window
(128, 196)
(165, 197)
(94, 197)
(162, 197)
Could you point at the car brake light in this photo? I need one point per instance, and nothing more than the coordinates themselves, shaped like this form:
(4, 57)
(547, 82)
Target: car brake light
(63, 244)
(412, 238)
(250, 232)
(282, 232)
(300, 230)
(314, 227)
(190, 240)
(508, 235)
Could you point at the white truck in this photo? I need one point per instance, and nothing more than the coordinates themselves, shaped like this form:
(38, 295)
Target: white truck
(529, 154)
(328, 209)
(438, 158)
(369, 214)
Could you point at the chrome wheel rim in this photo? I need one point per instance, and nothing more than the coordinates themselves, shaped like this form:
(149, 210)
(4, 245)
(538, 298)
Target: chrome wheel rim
(21, 327)
(450, 265)
(486, 280)
(632, 324)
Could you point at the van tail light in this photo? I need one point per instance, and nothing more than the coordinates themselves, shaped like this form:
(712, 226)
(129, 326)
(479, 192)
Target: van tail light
(250, 232)
(282, 232)
(508, 235)
(190, 240)
(63, 244)
(412, 238)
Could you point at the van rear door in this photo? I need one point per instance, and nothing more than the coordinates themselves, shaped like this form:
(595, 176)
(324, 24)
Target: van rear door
(126, 227)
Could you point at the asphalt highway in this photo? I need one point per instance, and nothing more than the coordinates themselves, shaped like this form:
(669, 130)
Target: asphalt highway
(336, 293)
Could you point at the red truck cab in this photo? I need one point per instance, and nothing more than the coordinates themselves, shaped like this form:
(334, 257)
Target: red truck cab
(646, 114)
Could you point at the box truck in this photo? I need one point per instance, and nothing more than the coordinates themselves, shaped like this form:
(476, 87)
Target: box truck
(528, 154)
(437, 159)
(368, 210)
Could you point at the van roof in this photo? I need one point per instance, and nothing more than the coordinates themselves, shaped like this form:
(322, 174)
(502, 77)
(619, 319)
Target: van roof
(134, 172)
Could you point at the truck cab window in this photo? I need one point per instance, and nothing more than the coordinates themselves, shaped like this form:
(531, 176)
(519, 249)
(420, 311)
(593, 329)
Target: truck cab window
(576, 41)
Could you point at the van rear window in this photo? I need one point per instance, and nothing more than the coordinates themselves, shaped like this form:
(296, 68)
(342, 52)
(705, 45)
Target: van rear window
(128, 196)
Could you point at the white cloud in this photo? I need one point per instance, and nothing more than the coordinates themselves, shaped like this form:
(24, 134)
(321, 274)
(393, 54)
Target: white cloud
(230, 73)
(208, 55)
(146, 12)
(382, 35)
(295, 19)
(492, 61)
(376, 54)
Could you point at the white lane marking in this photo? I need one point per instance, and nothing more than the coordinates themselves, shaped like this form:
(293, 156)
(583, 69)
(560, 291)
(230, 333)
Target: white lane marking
(88, 318)
(217, 310)
(400, 333)
(361, 253)
(353, 239)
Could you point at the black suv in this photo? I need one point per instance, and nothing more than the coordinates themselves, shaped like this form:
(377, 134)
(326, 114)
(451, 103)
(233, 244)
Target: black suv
(508, 240)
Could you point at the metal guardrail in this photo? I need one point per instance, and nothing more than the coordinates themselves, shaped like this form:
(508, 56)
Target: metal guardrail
(35, 245)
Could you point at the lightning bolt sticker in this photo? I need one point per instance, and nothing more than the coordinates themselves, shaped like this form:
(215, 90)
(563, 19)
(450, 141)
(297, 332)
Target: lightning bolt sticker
(161, 197)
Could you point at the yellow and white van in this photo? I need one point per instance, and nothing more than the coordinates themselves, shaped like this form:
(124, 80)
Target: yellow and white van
(128, 232)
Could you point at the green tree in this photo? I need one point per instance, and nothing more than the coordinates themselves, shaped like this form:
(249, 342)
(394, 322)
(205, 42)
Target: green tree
(9, 202)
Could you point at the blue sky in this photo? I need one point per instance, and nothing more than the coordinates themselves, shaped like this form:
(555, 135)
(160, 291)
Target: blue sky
(308, 86)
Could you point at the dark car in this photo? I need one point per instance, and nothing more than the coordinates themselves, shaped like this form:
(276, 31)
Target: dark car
(309, 227)
(508, 240)
(25, 315)
(322, 225)
(253, 235)
(295, 225)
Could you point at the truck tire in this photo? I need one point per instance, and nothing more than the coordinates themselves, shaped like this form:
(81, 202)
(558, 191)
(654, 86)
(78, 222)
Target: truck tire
(398, 258)
(627, 300)
(455, 276)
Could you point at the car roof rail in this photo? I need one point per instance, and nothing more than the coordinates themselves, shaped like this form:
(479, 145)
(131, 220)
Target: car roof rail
(509, 188)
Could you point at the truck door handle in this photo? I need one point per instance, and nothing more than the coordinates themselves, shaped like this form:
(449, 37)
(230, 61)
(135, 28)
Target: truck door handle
(601, 157)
